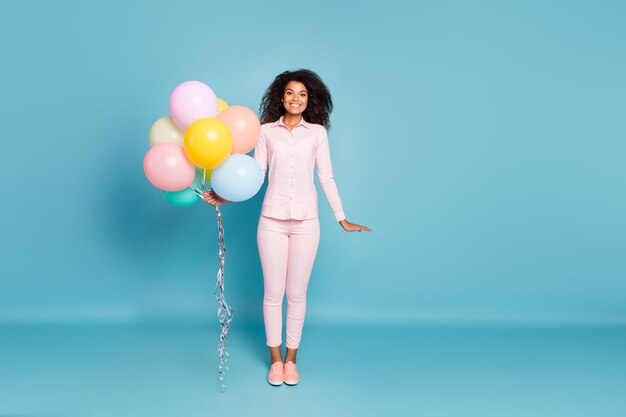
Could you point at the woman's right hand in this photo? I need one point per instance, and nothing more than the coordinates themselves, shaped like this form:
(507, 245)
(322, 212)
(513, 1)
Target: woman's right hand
(213, 199)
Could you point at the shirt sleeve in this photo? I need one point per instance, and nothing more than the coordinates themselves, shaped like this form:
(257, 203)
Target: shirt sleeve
(260, 154)
(325, 174)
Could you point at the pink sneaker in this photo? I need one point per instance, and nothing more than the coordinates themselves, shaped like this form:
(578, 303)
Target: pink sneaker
(275, 377)
(292, 377)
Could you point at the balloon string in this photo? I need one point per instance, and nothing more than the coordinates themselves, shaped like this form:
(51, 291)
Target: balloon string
(224, 311)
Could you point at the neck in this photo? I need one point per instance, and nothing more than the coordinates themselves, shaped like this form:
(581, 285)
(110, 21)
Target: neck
(292, 119)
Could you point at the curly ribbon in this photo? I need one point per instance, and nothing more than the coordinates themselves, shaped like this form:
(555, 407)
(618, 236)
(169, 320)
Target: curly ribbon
(224, 311)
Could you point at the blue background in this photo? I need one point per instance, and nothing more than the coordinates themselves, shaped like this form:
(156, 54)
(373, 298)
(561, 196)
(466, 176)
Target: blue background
(483, 142)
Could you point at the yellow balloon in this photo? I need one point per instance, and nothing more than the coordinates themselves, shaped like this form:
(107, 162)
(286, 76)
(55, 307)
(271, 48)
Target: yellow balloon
(208, 142)
(221, 105)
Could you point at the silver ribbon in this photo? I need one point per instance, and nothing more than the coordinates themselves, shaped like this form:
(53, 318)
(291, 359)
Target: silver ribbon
(224, 311)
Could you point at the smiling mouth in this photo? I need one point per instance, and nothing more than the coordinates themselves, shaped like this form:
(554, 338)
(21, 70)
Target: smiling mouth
(295, 104)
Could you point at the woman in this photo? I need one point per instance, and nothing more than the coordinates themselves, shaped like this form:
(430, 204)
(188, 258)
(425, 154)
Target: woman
(295, 115)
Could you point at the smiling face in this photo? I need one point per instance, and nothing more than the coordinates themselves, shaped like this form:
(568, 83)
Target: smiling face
(295, 98)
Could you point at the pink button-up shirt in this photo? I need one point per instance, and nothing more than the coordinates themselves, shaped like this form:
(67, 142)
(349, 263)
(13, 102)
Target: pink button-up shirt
(291, 156)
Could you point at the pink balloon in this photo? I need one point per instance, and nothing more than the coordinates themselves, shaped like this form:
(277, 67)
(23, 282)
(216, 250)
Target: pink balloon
(168, 168)
(244, 126)
(190, 101)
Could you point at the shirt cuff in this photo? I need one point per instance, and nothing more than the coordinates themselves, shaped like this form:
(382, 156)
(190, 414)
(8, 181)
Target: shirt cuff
(340, 216)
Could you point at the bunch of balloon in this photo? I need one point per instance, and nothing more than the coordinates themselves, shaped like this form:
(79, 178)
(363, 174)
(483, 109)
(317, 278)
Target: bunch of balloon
(202, 145)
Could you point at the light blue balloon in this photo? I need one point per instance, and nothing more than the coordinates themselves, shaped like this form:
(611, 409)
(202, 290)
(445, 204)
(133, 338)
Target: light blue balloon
(237, 179)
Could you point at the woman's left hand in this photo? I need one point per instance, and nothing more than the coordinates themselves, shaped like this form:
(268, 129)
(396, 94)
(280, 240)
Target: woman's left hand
(353, 227)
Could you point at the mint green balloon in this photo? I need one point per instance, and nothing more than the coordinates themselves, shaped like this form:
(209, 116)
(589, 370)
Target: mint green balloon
(183, 198)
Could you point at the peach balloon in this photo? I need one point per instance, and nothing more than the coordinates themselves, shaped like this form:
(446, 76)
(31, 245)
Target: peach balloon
(245, 127)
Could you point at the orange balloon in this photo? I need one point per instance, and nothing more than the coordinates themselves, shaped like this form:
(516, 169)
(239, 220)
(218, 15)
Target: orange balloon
(208, 142)
(244, 126)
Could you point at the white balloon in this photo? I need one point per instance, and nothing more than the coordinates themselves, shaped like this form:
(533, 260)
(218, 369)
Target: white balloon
(165, 130)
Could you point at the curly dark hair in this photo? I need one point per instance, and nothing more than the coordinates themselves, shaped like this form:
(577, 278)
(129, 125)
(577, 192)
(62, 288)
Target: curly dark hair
(319, 106)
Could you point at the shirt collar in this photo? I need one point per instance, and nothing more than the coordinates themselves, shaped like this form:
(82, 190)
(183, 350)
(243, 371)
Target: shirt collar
(280, 122)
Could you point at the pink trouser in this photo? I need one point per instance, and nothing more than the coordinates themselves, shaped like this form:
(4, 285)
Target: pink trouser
(287, 249)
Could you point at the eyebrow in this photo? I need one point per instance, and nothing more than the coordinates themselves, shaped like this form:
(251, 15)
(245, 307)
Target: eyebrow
(290, 89)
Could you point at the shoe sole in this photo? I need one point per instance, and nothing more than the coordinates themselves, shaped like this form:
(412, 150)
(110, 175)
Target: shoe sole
(275, 383)
(292, 382)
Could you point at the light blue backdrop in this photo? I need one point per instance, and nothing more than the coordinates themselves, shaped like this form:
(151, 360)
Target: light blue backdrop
(484, 143)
